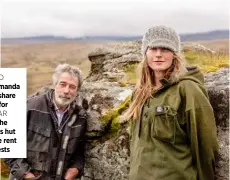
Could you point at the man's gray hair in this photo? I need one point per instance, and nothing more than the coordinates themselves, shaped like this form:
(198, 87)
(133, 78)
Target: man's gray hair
(62, 68)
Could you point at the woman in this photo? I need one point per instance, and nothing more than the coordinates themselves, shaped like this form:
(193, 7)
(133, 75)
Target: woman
(173, 132)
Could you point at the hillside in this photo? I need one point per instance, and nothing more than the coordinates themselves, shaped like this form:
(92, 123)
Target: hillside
(212, 35)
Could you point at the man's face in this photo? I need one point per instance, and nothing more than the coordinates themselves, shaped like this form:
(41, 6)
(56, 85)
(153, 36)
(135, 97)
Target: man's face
(66, 89)
(159, 59)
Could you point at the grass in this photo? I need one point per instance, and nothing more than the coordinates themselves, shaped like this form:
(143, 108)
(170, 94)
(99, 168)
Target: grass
(40, 59)
(206, 62)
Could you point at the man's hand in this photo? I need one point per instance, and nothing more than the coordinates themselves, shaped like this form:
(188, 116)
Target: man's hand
(71, 173)
(29, 175)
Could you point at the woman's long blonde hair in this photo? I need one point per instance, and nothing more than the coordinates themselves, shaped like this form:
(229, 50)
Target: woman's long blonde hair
(145, 86)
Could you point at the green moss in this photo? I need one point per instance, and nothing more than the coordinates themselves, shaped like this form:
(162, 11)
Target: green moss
(111, 117)
(130, 67)
(123, 105)
(110, 114)
(122, 84)
(131, 75)
(115, 125)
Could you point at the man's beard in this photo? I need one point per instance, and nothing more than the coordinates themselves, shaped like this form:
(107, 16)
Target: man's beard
(62, 100)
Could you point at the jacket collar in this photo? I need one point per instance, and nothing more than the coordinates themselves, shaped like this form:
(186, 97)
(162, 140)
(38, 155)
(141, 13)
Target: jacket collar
(165, 84)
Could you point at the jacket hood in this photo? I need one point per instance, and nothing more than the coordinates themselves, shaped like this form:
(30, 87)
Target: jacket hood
(193, 74)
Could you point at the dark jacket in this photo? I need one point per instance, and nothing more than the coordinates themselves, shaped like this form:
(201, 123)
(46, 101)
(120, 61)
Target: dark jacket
(51, 147)
(175, 137)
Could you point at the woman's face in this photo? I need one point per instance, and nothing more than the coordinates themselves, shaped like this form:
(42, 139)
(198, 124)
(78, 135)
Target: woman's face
(159, 59)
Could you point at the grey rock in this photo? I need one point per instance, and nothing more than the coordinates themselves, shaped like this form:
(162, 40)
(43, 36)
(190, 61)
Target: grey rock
(107, 157)
(105, 61)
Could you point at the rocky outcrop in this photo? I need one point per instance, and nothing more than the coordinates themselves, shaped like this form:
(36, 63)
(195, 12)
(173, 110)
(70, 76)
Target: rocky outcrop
(106, 62)
(109, 159)
(103, 99)
(218, 88)
(196, 47)
(107, 151)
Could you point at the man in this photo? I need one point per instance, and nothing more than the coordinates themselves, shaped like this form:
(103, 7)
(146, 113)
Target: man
(56, 128)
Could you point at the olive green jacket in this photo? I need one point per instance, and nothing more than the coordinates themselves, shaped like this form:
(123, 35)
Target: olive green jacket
(175, 136)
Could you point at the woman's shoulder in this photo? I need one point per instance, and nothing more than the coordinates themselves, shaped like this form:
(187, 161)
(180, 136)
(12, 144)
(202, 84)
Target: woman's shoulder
(194, 93)
(185, 83)
(192, 80)
(190, 87)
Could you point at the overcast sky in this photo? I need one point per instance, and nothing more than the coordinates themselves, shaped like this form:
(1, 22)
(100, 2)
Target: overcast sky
(110, 17)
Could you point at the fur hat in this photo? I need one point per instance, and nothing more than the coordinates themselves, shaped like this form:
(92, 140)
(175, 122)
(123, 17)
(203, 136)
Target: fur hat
(161, 36)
